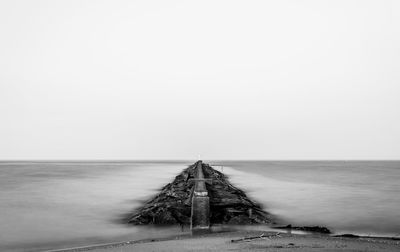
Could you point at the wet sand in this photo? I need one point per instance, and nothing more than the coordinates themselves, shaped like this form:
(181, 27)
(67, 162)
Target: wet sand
(238, 241)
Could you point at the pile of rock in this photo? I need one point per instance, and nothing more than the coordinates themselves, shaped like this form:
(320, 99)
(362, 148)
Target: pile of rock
(228, 204)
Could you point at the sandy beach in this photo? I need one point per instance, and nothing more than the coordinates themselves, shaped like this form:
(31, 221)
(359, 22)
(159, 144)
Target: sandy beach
(249, 241)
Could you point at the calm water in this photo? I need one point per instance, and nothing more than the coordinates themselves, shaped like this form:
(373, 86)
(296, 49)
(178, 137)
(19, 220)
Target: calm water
(46, 205)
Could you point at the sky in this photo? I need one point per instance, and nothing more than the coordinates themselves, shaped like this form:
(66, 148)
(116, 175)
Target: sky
(123, 79)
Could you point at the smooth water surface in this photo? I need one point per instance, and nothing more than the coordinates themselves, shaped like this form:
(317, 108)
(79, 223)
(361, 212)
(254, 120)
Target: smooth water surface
(360, 197)
(45, 205)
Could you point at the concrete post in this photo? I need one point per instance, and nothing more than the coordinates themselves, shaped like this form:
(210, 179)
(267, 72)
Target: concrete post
(200, 221)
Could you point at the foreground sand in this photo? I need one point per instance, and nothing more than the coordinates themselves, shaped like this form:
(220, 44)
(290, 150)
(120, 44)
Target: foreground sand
(268, 241)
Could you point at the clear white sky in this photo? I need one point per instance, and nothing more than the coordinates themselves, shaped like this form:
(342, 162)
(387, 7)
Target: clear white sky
(123, 79)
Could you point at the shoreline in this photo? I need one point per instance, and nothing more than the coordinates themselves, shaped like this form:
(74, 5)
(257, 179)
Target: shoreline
(249, 240)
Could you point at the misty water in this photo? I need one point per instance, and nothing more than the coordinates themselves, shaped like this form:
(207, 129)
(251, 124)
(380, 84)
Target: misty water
(48, 205)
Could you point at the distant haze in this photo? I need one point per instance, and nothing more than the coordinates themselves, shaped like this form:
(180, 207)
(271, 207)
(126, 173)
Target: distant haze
(199, 79)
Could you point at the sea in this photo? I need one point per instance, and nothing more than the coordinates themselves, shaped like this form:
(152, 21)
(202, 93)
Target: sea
(48, 205)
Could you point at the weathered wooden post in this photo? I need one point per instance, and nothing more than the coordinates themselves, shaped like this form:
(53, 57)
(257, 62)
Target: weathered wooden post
(200, 219)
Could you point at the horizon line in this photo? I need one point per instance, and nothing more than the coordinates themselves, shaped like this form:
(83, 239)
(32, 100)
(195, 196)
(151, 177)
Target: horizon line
(181, 160)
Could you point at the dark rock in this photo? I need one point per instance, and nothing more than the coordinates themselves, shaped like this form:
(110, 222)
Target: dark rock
(315, 229)
(348, 236)
(228, 204)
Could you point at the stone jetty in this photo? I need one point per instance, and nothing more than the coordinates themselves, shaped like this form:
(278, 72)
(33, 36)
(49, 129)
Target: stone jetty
(200, 196)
